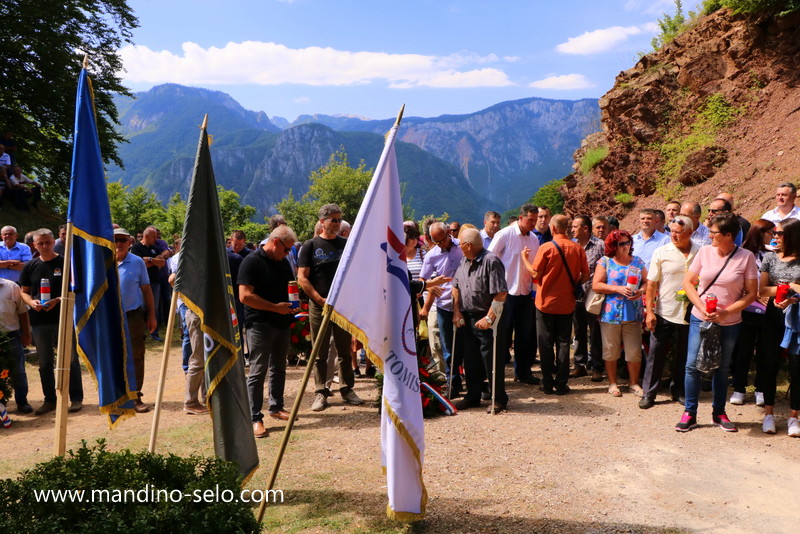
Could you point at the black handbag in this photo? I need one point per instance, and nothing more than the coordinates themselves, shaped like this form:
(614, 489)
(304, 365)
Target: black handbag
(577, 289)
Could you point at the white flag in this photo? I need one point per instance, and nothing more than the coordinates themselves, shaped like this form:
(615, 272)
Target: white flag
(371, 299)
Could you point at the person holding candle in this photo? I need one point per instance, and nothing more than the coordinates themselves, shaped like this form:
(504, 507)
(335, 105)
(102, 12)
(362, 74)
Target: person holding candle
(619, 275)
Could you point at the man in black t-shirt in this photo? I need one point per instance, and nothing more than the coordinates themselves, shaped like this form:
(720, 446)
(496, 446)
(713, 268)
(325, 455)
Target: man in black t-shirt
(264, 278)
(316, 267)
(44, 318)
(154, 259)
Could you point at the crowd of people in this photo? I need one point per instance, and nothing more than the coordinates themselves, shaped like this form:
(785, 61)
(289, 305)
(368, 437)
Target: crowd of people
(14, 185)
(682, 304)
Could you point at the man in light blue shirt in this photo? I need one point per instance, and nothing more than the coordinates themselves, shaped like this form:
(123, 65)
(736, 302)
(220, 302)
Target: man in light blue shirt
(648, 239)
(443, 259)
(13, 255)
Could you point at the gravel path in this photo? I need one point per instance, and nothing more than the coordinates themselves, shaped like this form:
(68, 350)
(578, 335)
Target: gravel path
(586, 462)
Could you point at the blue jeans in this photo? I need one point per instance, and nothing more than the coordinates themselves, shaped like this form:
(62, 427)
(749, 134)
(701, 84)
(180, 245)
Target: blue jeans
(20, 377)
(186, 343)
(719, 379)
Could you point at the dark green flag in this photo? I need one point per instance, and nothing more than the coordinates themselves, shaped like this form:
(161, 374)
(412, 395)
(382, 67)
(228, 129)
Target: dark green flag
(204, 283)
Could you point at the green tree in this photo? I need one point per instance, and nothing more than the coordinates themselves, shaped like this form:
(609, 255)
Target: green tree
(336, 182)
(550, 195)
(42, 45)
(170, 221)
(670, 27)
(234, 214)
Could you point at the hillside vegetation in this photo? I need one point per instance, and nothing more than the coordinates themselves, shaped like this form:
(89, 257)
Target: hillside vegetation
(714, 109)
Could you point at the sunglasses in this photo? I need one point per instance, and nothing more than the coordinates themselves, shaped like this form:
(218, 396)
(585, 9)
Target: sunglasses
(624, 243)
(335, 220)
(777, 233)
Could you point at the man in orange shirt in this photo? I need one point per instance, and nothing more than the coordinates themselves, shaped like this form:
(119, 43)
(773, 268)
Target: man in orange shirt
(558, 267)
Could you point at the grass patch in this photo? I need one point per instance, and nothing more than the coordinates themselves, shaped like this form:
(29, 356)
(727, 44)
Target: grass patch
(330, 511)
(592, 158)
(714, 115)
(623, 198)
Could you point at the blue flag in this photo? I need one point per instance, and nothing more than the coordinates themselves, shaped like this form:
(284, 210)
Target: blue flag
(101, 330)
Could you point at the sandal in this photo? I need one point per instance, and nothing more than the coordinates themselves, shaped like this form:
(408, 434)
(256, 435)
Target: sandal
(636, 389)
(614, 391)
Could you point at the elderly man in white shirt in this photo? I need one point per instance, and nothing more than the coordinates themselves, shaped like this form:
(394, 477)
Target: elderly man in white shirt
(518, 313)
(666, 315)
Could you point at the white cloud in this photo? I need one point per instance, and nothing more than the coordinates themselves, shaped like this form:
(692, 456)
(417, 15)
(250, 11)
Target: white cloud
(301, 100)
(563, 82)
(255, 62)
(602, 40)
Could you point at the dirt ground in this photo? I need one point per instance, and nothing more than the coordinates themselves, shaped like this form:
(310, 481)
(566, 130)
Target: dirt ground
(586, 462)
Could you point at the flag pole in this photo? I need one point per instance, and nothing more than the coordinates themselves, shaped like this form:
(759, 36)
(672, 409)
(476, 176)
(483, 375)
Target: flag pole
(66, 327)
(287, 431)
(163, 376)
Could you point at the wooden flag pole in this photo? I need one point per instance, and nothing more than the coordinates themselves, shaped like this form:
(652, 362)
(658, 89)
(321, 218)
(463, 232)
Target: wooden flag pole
(287, 431)
(162, 378)
(66, 327)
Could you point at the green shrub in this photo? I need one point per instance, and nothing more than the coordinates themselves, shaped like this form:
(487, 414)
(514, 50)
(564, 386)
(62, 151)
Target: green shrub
(550, 196)
(623, 198)
(762, 6)
(715, 114)
(592, 158)
(95, 468)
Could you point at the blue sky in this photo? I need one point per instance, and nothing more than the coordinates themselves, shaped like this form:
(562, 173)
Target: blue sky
(367, 58)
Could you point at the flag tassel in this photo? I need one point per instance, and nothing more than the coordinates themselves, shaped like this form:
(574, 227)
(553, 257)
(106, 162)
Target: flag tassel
(323, 331)
(162, 379)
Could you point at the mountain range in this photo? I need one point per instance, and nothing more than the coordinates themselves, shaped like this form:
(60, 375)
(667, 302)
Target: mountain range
(462, 164)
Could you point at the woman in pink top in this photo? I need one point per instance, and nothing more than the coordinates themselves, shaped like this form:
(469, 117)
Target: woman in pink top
(729, 273)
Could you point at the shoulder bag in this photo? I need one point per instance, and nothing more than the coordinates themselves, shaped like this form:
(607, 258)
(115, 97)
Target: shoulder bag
(577, 289)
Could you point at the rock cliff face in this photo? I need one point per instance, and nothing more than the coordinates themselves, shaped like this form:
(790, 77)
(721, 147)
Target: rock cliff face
(716, 110)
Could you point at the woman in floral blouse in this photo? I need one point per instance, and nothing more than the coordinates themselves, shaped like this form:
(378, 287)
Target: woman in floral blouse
(619, 276)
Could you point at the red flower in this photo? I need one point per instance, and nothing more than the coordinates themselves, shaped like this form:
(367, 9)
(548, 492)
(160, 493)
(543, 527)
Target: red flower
(424, 373)
(295, 339)
(425, 402)
(305, 331)
(304, 306)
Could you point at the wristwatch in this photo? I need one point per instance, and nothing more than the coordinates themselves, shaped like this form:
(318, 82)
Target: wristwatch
(489, 320)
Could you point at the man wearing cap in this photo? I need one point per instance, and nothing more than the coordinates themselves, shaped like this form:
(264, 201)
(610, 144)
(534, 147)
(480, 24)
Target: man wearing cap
(137, 303)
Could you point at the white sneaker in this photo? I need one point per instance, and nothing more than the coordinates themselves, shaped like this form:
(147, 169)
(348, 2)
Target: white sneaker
(759, 398)
(768, 426)
(320, 403)
(794, 427)
(737, 398)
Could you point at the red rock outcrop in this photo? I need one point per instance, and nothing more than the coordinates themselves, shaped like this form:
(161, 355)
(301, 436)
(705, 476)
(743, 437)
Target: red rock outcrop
(754, 63)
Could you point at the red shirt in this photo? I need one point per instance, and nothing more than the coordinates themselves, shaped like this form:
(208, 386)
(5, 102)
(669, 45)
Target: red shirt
(556, 294)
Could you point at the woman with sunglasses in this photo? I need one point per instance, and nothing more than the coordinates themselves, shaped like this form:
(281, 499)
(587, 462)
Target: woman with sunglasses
(619, 275)
(779, 269)
(752, 340)
(728, 273)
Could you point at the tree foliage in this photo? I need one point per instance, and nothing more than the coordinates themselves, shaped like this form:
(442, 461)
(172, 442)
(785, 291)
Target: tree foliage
(336, 182)
(43, 45)
(670, 26)
(134, 208)
(779, 7)
(550, 195)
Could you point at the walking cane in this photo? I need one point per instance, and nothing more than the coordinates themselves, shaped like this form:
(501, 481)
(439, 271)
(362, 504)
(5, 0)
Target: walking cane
(452, 361)
(494, 328)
